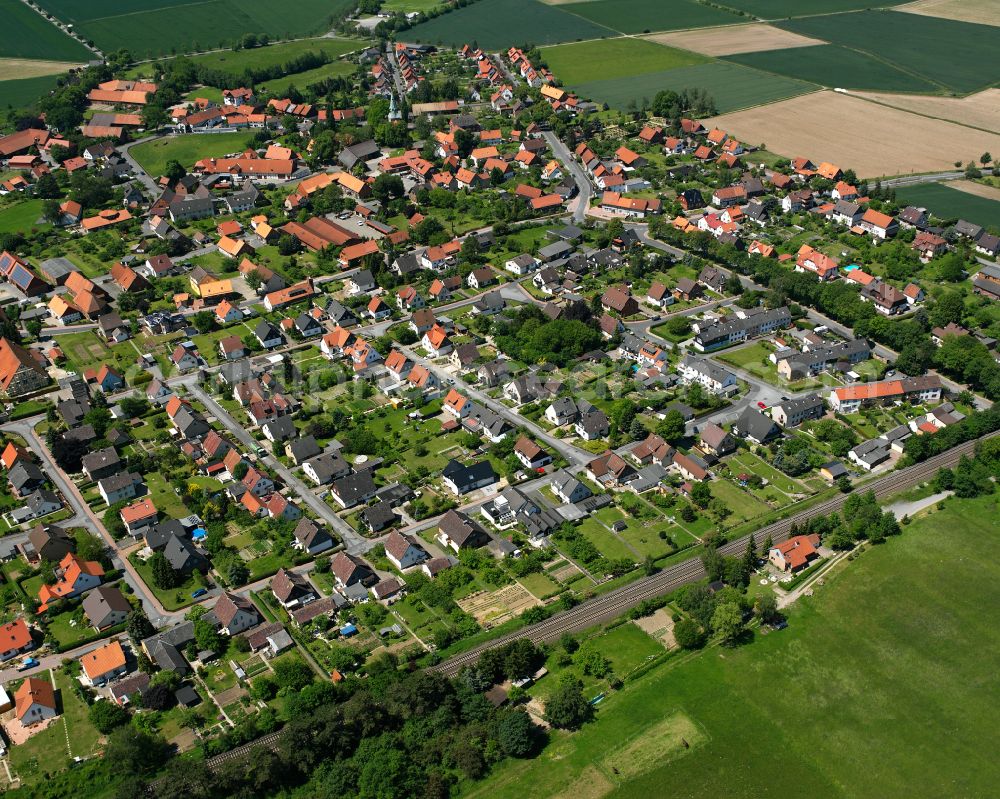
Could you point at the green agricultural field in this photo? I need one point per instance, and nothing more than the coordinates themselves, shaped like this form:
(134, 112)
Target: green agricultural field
(336, 69)
(408, 6)
(834, 66)
(21, 217)
(606, 59)
(645, 16)
(24, 92)
(153, 155)
(854, 695)
(488, 23)
(959, 56)
(148, 29)
(946, 202)
(27, 34)
(777, 9)
(235, 61)
(732, 86)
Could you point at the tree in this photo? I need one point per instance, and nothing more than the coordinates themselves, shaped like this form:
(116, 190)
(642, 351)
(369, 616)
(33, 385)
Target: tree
(158, 697)
(204, 321)
(138, 626)
(637, 430)
(985, 159)
(288, 245)
(671, 428)
(387, 187)
(733, 284)
(516, 733)
(727, 622)
(107, 715)
(174, 171)
(47, 188)
(567, 709)
(164, 575)
(765, 608)
(701, 494)
(689, 634)
(135, 752)
(206, 636)
(293, 674)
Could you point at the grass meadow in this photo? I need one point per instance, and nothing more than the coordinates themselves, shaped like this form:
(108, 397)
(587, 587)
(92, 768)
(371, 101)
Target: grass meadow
(153, 155)
(25, 91)
(882, 685)
(606, 59)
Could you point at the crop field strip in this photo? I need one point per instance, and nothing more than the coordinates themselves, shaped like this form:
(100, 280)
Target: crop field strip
(732, 39)
(959, 56)
(27, 34)
(645, 16)
(947, 202)
(488, 23)
(732, 86)
(23, 92)
(835, 66)
(802, 125)
(151, 29)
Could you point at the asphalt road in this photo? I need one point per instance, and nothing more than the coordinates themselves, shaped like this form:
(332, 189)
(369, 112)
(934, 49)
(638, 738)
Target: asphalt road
(584, 188)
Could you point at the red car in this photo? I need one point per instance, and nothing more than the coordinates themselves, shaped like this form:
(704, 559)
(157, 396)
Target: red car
(762, 406)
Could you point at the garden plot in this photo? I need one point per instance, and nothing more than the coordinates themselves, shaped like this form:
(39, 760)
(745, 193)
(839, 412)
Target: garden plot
(492, 608)
(659, 625)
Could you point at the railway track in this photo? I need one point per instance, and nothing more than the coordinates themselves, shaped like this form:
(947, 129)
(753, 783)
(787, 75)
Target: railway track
(609, 606)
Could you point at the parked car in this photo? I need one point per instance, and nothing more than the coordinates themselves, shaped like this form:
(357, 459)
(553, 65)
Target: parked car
(28, 663)
(199, 592)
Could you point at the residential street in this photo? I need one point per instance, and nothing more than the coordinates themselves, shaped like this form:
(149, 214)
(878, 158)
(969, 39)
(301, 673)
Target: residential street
(85, 517)
(585, 190)
(572, 454)
(355, 543)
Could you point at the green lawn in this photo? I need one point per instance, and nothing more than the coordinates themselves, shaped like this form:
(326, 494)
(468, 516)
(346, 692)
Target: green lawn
(153, 155)
(47, 751)
(541, 585)
(604, 59)
(170, 598)
(852, 697)
(21, 217)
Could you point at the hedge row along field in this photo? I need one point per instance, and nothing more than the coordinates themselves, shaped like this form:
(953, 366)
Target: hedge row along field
(781, 9)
